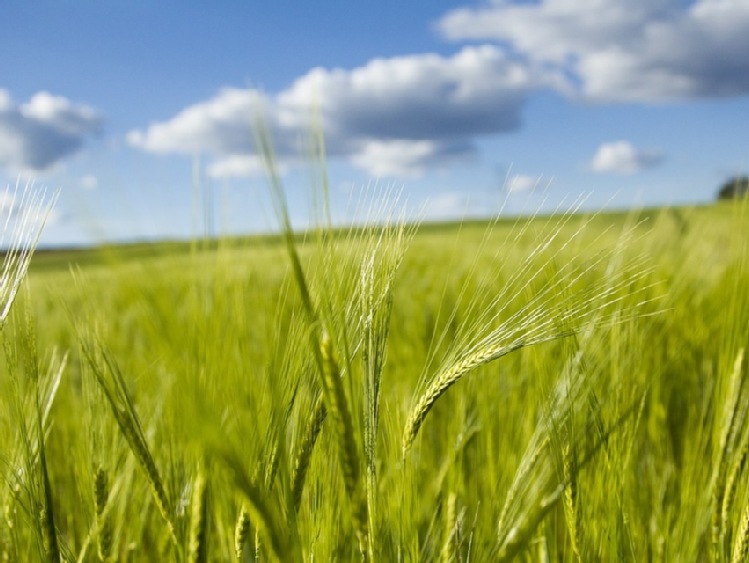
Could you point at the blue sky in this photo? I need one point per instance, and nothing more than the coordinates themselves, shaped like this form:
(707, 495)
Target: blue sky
(462, 104)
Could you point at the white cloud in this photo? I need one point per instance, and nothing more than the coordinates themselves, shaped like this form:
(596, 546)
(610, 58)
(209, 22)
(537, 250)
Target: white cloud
(89, 182)
(622, 50)
(396, 158)
(390, 116)
(522, 183)
(38, 134)
(399, 116)
(623, 158)
(222, 125)
(5, 101)
(238, 166)
(61, 114)
(417, 97)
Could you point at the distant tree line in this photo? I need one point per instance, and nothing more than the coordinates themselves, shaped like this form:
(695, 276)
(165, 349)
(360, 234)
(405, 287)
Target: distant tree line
(736, 187)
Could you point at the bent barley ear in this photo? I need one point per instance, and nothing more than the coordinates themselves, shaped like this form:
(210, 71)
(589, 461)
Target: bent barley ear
(559, 306)
(112, 384)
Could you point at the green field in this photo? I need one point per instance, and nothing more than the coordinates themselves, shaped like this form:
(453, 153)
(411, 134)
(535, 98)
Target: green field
(565, 388)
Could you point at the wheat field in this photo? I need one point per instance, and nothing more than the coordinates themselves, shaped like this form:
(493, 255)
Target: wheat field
(569, 387)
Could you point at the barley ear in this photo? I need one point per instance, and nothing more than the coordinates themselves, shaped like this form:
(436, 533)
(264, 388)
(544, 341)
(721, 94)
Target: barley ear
(198, 547)
(24, 228)
(50, 540)
(445, 379)
(46, 515)
(241, 532)
(101, 495)
(304, 454)
(259, 512)
(519, 537)
(741, 542)
(528, 464)
(732, 481)
(348, 454)
(112, 384)
(571, 511)
(448, 546)
(723, 485)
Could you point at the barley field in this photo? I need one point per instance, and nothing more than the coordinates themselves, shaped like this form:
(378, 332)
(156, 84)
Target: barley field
(550, 388)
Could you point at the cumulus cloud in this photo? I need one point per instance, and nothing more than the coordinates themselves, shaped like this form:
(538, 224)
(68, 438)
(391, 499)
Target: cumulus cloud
(403, 115)
(391, 117)
(417, 97)
(38, 134)
(623, 158)
(220, 125)
(400, 116)
(622, 50)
